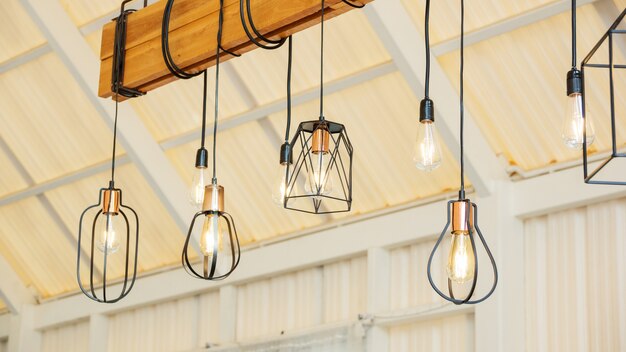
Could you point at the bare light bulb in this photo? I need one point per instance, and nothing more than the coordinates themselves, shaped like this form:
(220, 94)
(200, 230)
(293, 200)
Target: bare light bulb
(211, 237)
(279, 191)
(318, 181)
(461, 264)
(427, 152)
(108, 239)
(199, 182)
(574, 123)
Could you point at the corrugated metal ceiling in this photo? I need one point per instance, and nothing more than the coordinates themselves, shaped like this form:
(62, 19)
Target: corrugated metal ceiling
(514, 90)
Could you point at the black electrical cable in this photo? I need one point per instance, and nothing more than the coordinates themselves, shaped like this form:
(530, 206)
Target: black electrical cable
(217, 85)
(574, 34)
(119, 55)
(427, 35)
(461, 91)
(289, 64)
(353, 5)
(246, 12)
(322, 64)
(165, 45)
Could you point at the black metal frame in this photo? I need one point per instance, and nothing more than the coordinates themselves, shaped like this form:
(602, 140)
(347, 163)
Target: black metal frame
(468, 298)
(300, 145)
(589, 177)
(210, 268)
(126, 286)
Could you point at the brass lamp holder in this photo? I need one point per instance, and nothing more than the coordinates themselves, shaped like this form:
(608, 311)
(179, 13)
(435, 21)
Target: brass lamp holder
(213, 198)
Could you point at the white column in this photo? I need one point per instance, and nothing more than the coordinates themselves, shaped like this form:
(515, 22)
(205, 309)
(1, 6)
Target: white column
(228, 314)
(500, 323)
(98, 333)
(23, 336)
(378, 283)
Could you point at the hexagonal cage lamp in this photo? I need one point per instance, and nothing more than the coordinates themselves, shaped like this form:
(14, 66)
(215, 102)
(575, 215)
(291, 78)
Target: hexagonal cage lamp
(595, 176)
(321, 175)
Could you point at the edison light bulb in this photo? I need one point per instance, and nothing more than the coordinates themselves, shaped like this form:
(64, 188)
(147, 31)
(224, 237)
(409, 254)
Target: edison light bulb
(211, 236)
(461, 262)
(427, 153)
(318, 181)
(199, 182)
(109, 239)
(574, 123)
(279, 191)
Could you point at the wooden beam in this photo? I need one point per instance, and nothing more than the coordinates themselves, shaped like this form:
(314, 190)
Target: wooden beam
(193, 39)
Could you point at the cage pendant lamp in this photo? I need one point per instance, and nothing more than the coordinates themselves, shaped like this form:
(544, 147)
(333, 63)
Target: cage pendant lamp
(615, 33)
(211, 250)
(319, 181)
(462, 264)
(108, 232)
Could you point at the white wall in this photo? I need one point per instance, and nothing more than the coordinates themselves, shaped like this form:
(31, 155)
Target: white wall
(68, 338)
(576, 279)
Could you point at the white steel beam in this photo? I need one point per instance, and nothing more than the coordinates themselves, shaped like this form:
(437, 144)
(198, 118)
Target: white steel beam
(12, 290)
(562, 190)
(404, 43)
(144, 151)
(248, 116)
(347, 241)
(508, 25)
(23, 336)
(5, 326)
(98, 333)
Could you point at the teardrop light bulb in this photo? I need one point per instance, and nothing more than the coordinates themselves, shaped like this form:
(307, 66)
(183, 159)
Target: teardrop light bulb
(427, 152)
(574, 123)
(319, 180)
(460, 267)
(199, 182)
(280, 188)
(109, 237)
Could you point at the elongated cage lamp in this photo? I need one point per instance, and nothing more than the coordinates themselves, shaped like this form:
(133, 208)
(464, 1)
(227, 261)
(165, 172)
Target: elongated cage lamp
(320, 179)
(616, 32)
(212, 231)
(108, 232)
(462, 264)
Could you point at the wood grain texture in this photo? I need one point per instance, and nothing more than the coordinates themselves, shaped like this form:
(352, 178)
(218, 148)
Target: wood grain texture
(193, 36)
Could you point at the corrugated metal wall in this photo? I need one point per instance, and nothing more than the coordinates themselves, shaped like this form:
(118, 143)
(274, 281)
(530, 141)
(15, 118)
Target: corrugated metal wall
(67, 338)
(576, 279)
(450, 334)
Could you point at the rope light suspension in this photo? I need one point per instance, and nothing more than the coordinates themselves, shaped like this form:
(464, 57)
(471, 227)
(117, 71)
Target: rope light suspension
(320, 179)
(462, 264)
(597, 176)
(577, 128)
(113, 234)
(427, 151)
(216, 233)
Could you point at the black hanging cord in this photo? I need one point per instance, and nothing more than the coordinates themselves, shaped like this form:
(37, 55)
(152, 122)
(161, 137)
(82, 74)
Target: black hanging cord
(462, 112)
(574, 34)
(165, 45)
(289, 64)
(204, 99)
(217, 84)
(322, 65)
(114, 144)
(255, 36)
(119, 56)
(353, 5)
(427, 35)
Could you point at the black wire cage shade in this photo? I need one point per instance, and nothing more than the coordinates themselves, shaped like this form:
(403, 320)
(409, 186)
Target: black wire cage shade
(613, 34)
(110, 232)
(213, 231)
(463, 223)
(320, 179)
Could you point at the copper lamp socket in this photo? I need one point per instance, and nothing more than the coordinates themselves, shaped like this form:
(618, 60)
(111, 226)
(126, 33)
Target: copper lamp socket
(321, 140)
(111, 201)
(213, 198)
(462, 217)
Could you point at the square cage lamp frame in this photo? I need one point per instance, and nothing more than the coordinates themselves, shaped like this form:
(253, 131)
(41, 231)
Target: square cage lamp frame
(608, 36)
